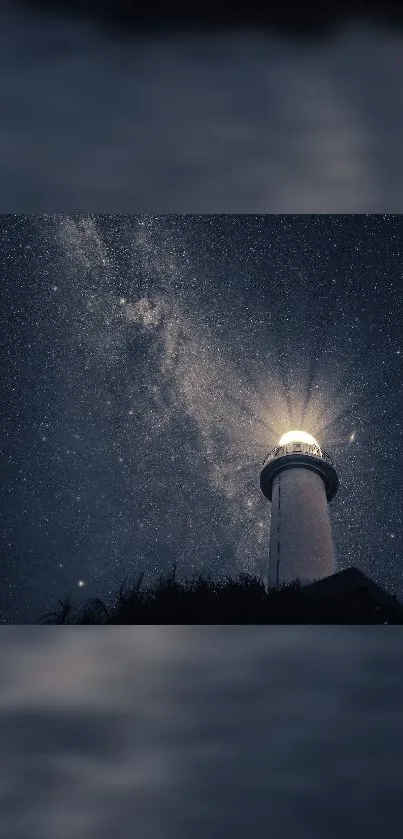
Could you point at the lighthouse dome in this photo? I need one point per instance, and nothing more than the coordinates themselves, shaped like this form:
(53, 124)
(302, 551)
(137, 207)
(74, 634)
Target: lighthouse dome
(298, 437)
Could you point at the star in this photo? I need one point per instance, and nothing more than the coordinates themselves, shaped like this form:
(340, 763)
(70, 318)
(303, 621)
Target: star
(182, 348)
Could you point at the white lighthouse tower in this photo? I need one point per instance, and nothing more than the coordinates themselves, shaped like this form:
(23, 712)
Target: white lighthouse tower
(299, 479)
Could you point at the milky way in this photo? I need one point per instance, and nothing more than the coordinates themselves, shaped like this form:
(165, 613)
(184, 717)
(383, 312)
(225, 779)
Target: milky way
(150, 364)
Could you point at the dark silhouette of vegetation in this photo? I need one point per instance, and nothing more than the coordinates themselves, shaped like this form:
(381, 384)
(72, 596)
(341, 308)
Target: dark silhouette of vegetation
(240, 600)
(61, 615)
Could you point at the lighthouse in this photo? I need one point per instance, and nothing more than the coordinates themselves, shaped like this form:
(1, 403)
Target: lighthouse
(299, 478)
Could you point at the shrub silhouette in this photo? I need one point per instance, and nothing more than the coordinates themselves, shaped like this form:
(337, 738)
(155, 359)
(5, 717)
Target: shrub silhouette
(94, 611)
(237, 600)
(62, 615)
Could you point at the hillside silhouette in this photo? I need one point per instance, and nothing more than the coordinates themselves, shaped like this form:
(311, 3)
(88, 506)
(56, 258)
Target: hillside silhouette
(348, 597)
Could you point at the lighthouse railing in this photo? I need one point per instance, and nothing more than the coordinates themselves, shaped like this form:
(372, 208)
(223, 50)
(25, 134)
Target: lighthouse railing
(297, 448)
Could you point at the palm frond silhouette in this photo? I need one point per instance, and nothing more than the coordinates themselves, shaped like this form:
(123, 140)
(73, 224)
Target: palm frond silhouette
(61, 615)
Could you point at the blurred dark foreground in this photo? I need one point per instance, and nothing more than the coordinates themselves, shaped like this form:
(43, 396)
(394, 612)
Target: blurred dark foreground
(310, 18)
(351, 598)
(122, 107)
(171, 732)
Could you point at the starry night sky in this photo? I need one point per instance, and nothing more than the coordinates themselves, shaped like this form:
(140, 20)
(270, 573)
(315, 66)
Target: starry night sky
(148, 365)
